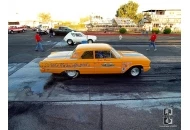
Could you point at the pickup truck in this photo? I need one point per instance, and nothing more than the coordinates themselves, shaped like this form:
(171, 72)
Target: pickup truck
(62, 31)
(13, 29)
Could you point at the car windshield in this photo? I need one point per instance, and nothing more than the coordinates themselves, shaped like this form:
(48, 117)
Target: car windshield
(69, 28)
(74, 55)
(115, 53)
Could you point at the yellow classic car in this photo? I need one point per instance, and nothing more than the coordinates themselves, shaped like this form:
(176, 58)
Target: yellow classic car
(99, 58)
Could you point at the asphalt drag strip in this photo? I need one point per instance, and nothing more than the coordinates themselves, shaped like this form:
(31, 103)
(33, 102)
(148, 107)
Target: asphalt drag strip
(145, 114)
(162, 81)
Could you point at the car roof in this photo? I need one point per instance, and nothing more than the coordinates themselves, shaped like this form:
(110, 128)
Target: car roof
(93, 46)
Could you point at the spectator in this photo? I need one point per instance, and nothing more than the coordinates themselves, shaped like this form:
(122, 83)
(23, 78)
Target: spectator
(152, 41)
(147, 29)
(38, 42)
(143, 30)
(51, 32)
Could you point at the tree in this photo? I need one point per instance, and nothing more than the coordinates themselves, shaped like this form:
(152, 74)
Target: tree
(147, 16)
(44, 17)
(128, 10)
(67, 23)
(85, 19)
(138, 17)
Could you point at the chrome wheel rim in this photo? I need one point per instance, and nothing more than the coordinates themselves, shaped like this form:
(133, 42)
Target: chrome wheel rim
(69, 42)
(71, 73)
(135, 71)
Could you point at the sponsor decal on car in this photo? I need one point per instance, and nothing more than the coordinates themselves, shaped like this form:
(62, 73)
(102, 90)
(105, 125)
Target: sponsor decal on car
(67, 65)
(125, 66)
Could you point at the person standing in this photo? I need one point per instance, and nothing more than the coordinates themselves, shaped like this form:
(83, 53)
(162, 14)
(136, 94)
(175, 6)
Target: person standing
(38, 42)
(143, 29)
(51, 32)
(152, 41)
(146, 30)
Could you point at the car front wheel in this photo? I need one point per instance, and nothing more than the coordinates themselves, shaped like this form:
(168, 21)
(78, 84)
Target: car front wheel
(70, 42)
(135, 71)
(72, 73)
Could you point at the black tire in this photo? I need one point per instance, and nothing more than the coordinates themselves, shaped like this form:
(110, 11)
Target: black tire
(70, 42)
(23, 30)
(11, 32)
(90, 41)
(134, 71)
(72, 73)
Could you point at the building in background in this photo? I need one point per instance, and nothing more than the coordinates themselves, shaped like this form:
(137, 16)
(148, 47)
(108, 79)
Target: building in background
(162, 18)
(98, 23)
(124, 22)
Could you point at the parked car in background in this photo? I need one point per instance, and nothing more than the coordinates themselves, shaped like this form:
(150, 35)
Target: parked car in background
(28, 27)
(43, 29)
(13, 29)
(34, 28)
(78, 37)
(23, 26)
(95, 59)
(62, 31)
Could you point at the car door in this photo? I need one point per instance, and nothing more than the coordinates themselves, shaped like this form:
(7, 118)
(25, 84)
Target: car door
(66, 30)
(86, 63)
(58, 31)
(79, 37)
(106, 62)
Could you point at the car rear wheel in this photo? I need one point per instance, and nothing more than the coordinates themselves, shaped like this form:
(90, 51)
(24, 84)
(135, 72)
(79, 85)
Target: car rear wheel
(12, 32)
(70, 42)
(90, 41)
(72, 73)
(135, 71)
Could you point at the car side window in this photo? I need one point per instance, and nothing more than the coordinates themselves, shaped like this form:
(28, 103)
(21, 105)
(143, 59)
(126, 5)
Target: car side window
(78, 35)
(73, 34)
(87, 55)
(103, 54)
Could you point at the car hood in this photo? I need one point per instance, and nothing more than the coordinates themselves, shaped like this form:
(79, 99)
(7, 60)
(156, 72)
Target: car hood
(130, 53)
(60, 55)
(134, 55)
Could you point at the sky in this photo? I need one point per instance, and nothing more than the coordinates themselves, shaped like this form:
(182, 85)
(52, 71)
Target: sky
(73, 10)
